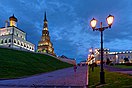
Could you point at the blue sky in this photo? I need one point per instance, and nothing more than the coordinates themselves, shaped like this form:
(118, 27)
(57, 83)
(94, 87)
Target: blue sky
(68, 23)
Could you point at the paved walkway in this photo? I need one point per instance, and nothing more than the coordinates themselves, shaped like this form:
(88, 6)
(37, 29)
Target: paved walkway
(65, 78)
(121, 70)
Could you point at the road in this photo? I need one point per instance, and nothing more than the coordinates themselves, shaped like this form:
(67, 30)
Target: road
(64, 78)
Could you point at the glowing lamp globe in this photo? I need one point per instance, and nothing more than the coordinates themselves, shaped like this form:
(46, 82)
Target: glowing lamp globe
(93, 23)
(110, 20)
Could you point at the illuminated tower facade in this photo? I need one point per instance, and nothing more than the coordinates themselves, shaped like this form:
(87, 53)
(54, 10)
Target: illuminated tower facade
(45, 45)
(13, 21)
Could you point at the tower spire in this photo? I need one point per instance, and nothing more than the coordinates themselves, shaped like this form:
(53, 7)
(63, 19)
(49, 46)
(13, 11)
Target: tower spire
(45, 26)
(45, 17)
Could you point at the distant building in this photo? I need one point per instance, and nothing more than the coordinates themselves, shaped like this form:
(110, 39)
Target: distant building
(45, 45)
(13, 37)
(118, 57)
(66, 59)
(115, 57)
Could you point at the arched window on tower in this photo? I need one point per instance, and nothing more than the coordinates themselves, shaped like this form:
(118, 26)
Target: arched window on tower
(46, 43)
(43, 39)
(44, 50)
(50, 44)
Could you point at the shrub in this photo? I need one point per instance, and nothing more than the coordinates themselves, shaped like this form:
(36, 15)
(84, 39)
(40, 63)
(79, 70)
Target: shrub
(128, 64)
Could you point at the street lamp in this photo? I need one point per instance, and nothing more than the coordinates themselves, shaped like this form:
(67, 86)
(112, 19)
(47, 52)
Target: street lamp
(93, 23)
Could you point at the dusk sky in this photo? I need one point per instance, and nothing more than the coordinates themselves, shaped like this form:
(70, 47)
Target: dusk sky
(68, 23)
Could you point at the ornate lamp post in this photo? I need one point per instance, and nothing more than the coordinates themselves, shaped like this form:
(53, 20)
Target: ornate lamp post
(93, 23)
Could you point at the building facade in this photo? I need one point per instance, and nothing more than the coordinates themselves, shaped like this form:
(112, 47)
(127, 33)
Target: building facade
(13, 37)
(115, 57)
(45, 45)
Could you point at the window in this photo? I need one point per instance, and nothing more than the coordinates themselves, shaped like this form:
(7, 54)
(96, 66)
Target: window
(9, 40)
(44, 50)
(21, 44)
(49, 44)
(1, 41)
(24, 45)
(30, 47)
(5, 40)
(45, 43)
(18, 43)
(15, 41)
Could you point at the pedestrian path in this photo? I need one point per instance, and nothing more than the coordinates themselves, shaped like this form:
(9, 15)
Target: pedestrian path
(65, 78)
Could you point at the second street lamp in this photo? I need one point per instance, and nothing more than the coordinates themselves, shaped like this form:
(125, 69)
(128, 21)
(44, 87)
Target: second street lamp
(93, 23)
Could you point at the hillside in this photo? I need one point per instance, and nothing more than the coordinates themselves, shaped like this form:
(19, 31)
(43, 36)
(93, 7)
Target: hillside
(15, 63)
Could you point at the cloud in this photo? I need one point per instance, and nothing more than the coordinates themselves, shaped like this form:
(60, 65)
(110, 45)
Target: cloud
(68, 23)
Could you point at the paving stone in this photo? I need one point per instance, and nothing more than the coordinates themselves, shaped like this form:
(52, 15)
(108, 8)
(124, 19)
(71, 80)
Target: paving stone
(64, 78)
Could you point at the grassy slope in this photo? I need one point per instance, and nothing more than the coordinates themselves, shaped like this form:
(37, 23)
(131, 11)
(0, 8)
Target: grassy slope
(15, 63)
(112, 79)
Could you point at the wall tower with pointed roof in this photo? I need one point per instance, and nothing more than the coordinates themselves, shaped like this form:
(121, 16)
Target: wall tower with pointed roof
(45, 45)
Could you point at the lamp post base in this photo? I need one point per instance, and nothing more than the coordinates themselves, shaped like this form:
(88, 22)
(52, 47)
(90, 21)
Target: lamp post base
(102, 80)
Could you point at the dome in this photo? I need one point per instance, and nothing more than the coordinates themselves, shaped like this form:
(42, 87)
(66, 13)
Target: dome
(13, 18)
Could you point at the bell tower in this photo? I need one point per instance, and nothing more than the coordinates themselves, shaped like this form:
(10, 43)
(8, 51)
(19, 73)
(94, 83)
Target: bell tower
(45, 45)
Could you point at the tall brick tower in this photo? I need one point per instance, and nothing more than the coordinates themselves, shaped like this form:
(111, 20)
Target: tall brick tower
(45, 45)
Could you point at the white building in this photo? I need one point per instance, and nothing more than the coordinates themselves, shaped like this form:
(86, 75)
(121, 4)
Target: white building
(115, 57)
(13, 37)
(118, 57)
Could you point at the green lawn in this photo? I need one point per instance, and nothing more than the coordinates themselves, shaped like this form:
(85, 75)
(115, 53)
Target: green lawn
(123, 66)
(112, 79)
(15, 63)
